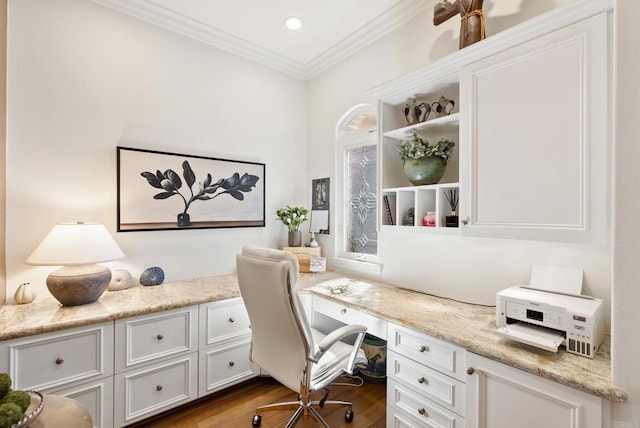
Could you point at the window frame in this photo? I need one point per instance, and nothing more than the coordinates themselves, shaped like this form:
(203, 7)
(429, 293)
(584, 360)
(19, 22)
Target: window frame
(357, 262)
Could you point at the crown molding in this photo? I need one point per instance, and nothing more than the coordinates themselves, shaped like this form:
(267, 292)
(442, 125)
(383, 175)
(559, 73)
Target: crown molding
(150, 12)
(372, 31)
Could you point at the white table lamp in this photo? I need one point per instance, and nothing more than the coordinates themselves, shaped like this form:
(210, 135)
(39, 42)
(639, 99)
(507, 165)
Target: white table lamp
(77, 247)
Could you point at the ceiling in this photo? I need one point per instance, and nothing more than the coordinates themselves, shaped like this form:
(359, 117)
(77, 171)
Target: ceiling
(253, 29)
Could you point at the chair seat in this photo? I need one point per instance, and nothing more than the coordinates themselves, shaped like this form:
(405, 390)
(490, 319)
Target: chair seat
(337, 356)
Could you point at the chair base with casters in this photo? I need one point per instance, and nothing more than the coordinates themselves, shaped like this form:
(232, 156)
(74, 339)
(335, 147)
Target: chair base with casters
(303, 408)
(283, 343)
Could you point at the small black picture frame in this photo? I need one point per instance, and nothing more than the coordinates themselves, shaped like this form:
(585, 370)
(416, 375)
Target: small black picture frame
(320, 202)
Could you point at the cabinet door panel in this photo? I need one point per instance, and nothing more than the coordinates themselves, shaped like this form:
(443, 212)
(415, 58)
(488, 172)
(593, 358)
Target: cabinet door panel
(221, 367)
(223, 321)
(536, 124)
(60, 359)
(146, 338)
(347, 315)
(499, 396)
(442, 389)
(152, 389)
(420, 408)
(445, 357)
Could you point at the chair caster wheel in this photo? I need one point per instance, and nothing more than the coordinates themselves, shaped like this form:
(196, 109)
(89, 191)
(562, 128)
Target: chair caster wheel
(348, 415)
(257, 420)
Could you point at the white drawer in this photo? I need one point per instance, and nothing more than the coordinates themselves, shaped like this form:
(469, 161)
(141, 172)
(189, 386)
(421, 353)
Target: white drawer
(223, 321)
(221, 367)
(375, 326)
(437, 354)
(152, 389)
(436, 386)
(397, 418)
(97, 397)
(59, 359)
(147, 338)
(424, 411)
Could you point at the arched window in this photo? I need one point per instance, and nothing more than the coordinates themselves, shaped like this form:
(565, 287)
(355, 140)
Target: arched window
(357, 175)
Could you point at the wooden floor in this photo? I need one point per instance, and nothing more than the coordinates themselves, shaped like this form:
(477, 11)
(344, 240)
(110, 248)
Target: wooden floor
(235, 408)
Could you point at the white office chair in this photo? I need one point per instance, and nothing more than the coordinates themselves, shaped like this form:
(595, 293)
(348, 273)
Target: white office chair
(282, 342)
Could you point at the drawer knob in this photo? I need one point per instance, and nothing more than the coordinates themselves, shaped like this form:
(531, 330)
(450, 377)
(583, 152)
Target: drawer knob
(160, 337)
(424, 348)
(59, 360)
(422, 380)
(470, 370)
(422, 411)
(343, 311)
(232, 319)
(231, 364)
(158, 387)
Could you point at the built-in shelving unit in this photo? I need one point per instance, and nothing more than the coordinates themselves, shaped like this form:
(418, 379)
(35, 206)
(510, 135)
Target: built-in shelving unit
(422, 199)
(398, 197)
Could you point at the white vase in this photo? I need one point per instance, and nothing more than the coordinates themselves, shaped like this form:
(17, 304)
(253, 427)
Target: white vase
(24, 294)
(313, 243)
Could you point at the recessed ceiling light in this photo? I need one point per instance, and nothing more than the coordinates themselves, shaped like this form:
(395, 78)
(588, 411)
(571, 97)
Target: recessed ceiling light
(293, 22)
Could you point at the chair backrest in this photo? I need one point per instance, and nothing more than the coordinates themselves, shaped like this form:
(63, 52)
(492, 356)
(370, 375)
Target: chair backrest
(281, 339)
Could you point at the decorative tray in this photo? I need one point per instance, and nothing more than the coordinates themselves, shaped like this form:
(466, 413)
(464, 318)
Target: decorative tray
(33, 411)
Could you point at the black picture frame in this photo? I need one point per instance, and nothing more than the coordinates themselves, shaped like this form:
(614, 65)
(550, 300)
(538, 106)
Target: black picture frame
(159, 190)
(320, 204)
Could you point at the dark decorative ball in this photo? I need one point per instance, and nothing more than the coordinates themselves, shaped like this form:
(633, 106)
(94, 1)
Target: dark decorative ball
(152, 276)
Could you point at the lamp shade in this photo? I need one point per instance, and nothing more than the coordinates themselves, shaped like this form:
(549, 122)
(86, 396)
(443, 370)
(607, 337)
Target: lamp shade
(76, 244)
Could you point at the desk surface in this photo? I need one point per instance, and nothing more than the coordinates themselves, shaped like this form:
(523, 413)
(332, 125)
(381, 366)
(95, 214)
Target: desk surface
(470, 326)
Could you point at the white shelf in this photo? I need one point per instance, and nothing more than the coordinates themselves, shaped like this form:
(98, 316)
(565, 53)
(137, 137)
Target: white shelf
(424, 187)
(420, 199)
(440, 125)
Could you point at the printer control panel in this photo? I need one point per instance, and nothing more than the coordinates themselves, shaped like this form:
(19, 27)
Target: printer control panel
(536, 315)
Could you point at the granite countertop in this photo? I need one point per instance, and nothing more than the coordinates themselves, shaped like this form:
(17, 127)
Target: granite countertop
(45, 314)
(469, 326)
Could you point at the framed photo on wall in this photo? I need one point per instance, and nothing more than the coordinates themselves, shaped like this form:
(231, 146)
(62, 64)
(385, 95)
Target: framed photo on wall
(320, 194)
(164, 191)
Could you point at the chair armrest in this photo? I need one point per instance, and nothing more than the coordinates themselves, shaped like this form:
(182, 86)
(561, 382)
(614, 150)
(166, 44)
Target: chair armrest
(335, 336)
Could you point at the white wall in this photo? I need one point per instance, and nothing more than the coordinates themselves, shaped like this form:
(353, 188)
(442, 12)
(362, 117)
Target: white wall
(83, 79)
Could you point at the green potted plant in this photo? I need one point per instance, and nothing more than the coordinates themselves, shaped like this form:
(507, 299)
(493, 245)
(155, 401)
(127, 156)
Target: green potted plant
(293, 217)
(424, 163)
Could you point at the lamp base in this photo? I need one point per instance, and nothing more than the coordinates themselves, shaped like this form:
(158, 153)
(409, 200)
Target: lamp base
(78, 285)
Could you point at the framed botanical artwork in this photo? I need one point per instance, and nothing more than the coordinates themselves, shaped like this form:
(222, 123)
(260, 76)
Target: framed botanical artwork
(163, 191)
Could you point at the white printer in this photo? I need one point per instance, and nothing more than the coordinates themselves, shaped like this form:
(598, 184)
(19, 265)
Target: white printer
(548, 319)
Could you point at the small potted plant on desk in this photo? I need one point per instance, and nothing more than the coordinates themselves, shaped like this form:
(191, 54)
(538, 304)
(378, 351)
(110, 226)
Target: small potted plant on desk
(293, 217)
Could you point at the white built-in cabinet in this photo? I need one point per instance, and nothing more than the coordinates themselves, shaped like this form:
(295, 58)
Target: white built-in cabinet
(76, 362)
(499, 396)
(132, 368)
(425, 380)
(398, 195)
(531, 124)
(156, 363)
(535, 153)
(433, 383)
(225, 346)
